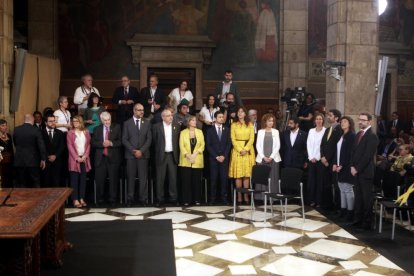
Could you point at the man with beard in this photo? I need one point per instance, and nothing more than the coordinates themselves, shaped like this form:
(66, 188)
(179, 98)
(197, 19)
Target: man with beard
(294, 139)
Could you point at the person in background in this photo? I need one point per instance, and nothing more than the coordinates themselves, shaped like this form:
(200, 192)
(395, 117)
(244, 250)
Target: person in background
(230, 109)
(226, 86)
(79, 145)
(252, 113)
(62, 115)
(305, 113)
(153, 99)
(6, 164)
(207, 112)
(315, 168)
(181, 117)
(125, 96)
(38, 120)
(242, 154)
(92, 114)
(83, 92)
(342, 168)
(268, 146)
(191, 162)
(178, 94)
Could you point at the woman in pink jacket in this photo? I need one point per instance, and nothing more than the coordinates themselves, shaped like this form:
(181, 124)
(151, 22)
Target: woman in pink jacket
(78, 141)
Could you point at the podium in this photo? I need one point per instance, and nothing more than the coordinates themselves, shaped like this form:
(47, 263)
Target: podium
(32, 230)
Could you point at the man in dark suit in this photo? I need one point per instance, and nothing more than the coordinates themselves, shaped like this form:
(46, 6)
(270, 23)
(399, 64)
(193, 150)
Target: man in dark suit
(294, 140)
(218, 144)
(256, 125)
(125, 96)
(107, 142)
(395, 122)
(227, 86)
(136, 138)
(38, 120)
(152, 98)
(328, 149)
(165, 137)
(362, 168)
(55, 143)
(30, 153)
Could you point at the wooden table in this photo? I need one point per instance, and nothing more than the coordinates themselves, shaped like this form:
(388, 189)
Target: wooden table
(32, 232)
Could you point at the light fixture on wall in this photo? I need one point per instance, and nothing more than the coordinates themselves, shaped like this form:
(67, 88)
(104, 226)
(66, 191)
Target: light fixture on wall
(382, 5)
(334, 68)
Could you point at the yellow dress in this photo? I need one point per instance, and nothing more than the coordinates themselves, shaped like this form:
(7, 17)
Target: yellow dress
(242, 137)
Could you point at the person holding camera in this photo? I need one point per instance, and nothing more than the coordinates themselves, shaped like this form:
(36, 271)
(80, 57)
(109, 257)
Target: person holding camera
(305, 113)
(229, 109)
(227, 86)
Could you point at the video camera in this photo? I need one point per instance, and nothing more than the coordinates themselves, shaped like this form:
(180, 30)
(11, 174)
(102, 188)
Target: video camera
(293, 97)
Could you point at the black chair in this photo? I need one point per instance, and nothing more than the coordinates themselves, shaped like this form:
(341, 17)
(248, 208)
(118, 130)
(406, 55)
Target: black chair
(391, 205)
(260, 175)
(290, 187)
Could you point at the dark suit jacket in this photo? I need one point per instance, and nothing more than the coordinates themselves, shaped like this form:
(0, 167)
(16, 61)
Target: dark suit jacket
(345, 158)
(294, 156)
(328, 147)
(114, 151)
(381, 129)
(233, 88)
(125, 111)
(400, 125)
(30, 148)
(363, 154)
(132, 139)
(159, 98)
(218, 147)
(57, 145)
(158, 136)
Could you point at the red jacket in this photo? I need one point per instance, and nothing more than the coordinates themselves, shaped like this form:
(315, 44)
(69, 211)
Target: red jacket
(73, 165)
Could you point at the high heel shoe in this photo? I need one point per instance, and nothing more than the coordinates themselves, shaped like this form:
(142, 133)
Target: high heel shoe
(83, 203)
(77, 204)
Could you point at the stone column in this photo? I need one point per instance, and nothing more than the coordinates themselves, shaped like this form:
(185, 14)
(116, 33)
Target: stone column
(6, 58)
(42, 25)
(293, 43)
(353, 38)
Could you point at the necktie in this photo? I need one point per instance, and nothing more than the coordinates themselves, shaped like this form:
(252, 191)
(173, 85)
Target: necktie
(105, 152)
(126, 93)
(137, 124)
(330, 133)
(152, 98)
(395, 123)
(219, 133)
(359, 136)
(50, 135)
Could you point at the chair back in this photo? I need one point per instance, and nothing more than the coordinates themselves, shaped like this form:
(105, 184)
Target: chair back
(390, 184)
(260, 175)
(290, 179)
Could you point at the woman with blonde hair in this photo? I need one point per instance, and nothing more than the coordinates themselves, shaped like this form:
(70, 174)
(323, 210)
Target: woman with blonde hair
(242, 154)
(78, 142)
(191, 162)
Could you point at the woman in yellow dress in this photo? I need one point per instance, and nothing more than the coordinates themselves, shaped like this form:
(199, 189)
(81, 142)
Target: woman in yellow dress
(242, 154)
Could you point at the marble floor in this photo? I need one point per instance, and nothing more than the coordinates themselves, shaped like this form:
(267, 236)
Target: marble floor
(209, 240)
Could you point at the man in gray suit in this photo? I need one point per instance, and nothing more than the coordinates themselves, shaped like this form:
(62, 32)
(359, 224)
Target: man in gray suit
(136, 138)
(166, 155)
(227, 86)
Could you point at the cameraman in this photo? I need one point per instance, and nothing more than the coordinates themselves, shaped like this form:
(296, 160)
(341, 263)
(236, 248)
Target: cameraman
(305, 113)
(229, 109)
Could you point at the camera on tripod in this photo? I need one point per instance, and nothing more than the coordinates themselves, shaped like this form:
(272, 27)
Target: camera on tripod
(293, 97)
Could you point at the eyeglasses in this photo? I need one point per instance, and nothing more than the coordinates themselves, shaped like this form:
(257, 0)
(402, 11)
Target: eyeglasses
(75, 121)
(362, 120)
(139, 109)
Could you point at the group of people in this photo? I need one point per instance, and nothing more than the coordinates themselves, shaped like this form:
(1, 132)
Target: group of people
(159, 138)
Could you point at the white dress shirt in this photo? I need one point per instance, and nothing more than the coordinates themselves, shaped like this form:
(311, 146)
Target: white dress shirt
(62, 118)
(293, 135)
(168, 137)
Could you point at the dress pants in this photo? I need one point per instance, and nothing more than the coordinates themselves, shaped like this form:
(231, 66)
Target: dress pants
(137, 168)
(28, 177)
(218, 173)
(315, 182)
(191, 184)
(78, 182)
(52, 174)
(167, 165)
(102, 170)
(363, 200)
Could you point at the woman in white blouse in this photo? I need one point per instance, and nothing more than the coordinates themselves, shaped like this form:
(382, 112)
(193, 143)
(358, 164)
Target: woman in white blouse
(62, 115)
(268, 146)
(180, 93)
(79, 146)
(315, 167)
(206, 115)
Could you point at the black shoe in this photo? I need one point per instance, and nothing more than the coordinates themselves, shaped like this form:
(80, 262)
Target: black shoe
(174, 203)
(143, 204)
(159, 203)
(355, 223)
(341, 213)
(349, 216)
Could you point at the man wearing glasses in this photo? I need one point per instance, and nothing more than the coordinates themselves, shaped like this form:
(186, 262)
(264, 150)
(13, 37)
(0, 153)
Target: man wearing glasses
(136, 138)
(362, 168)
(125, 96)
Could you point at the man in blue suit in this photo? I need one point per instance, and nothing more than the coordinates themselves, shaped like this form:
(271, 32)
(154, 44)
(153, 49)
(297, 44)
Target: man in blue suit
(294, 140)
(218, 145)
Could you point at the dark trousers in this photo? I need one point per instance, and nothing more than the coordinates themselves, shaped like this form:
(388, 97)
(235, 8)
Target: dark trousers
(78, 183)
(191, 184)
(315, 182)
(137, 168)
(218, 175)
(27, 177)
(103, 170)
(52, 174)
(363, 199)
(169, 166)
(327, 188)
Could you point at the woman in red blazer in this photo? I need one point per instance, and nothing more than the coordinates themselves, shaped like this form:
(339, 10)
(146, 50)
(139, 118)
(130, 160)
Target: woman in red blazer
(78, 141)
